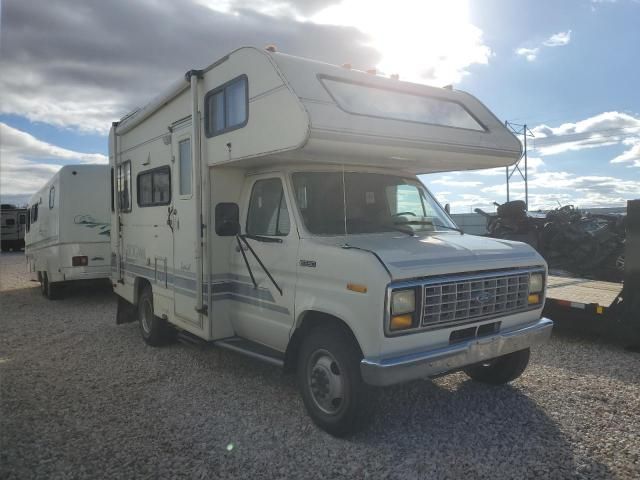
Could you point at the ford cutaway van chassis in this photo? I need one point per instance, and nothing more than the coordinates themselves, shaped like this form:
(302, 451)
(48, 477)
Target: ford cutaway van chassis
(270, 205)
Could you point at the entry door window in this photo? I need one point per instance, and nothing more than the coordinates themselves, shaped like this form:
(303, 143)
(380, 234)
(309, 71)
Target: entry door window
(268, 214)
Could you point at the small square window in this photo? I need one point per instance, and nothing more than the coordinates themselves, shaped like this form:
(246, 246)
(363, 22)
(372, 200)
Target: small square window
(226, 107)
(154, 187)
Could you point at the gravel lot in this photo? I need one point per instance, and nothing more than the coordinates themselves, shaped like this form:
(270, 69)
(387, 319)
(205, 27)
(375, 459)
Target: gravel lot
(84, 398)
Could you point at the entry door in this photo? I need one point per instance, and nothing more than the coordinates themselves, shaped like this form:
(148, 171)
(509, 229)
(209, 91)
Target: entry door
(265, 313)
(183, 223)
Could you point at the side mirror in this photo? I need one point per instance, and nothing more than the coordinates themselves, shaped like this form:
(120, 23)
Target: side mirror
(447, 208)
(227, 219)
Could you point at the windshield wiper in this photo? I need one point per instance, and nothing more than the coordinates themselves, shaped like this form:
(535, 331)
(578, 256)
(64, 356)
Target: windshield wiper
(427, 222)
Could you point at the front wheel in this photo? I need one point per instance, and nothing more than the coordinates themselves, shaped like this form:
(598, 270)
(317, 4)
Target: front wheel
(330, 382)
(500, 370)
(155, 331)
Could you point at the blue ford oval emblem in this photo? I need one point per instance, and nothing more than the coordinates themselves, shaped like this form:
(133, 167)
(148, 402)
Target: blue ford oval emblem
(482, 297)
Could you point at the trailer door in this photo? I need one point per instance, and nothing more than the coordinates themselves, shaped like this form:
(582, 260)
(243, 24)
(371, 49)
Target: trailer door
(182, 219)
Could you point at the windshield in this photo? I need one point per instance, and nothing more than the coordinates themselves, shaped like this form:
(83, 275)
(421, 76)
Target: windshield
(374, 203)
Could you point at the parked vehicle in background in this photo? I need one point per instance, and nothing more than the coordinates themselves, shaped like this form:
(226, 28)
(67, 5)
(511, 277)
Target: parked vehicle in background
(13, 221)
(67, 235)
(269, 204)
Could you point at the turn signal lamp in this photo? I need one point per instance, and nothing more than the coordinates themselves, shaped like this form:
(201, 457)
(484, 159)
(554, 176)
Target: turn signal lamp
(356, 287)
(534, 298)
(401, 322)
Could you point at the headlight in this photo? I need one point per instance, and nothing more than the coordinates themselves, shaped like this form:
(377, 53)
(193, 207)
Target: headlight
(403, 301)
(536, 282)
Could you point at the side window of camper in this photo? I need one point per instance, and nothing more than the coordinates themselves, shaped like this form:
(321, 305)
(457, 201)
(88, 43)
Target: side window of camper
(154, 187)
(184, 161)
(124, 186)
(227, 107)
(52, 197)
(34, 213)
(23, 219)
(28, 227)
(268, 214)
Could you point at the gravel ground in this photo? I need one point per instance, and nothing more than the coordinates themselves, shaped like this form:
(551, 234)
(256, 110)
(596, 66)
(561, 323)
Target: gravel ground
(84, 398)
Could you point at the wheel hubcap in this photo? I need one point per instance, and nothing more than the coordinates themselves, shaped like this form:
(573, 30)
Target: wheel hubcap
(147, 314)
(326, 382)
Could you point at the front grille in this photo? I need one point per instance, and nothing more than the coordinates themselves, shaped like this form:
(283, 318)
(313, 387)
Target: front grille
(454, 302)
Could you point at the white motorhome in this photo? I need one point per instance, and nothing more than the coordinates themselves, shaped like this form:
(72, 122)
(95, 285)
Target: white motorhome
(269, 204)
(68, 228)
(12, 223)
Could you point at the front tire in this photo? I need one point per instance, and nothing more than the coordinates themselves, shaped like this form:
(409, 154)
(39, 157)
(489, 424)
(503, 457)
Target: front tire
(154, 330)
(330, 382)
(500, 370)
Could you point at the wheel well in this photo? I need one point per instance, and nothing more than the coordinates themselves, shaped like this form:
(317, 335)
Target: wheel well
(308, 321)
(138, 286)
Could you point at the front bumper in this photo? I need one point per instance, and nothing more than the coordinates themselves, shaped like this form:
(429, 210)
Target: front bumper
(388, 371)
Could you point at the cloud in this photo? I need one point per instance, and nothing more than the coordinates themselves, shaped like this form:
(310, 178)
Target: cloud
(84, 65)
(427, 41)
(454, 182)
(529, 53)
(27, 163)
(604, 129)
(559, 39)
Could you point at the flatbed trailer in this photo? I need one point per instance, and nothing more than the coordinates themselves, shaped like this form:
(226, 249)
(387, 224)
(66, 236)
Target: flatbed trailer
(608, 309)
(591, 297)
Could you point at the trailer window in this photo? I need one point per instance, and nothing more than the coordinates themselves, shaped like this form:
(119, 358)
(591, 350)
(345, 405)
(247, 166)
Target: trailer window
(28, 227)
(226, 107)
(184, 160)
(362, 99)
(154, 187)
(23, 219)
(9, 222)
(52, 197)
(124, 186)
(34, 213)
(268, 214)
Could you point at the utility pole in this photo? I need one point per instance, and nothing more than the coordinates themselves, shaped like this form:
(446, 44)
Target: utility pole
(519, 130)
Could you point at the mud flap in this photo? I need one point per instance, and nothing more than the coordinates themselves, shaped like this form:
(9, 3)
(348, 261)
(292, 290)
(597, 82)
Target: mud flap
(126, 312)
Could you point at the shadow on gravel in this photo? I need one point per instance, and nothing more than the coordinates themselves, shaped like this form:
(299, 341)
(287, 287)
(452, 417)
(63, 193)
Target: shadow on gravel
(469, 430)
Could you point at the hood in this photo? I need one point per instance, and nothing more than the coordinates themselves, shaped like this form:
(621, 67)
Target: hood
(442, 253)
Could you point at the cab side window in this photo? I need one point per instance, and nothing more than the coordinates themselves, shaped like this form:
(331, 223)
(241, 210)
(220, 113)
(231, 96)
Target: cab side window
(268, 214)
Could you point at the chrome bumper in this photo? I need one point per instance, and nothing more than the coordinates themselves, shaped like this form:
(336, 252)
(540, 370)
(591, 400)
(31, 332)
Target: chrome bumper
(388, 371)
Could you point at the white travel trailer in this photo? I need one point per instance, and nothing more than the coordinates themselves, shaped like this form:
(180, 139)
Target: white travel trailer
(68, 228)
(269, 204)
(12, 223)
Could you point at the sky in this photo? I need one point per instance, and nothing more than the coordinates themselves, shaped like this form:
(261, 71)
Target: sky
(568, 70)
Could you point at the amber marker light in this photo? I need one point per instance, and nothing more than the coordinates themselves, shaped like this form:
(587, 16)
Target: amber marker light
(356, 287)
(401, 322)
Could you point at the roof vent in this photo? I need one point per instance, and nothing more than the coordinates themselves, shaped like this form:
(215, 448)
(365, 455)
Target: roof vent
(394, 76)
(271, 48)
(448, 87)
(347, 66)
(372, 71)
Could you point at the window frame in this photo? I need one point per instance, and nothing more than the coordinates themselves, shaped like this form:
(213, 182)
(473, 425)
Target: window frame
(52, 197)
(222, 88)
(283, 197)
(152, 172)
(321, 77)
(117, 180)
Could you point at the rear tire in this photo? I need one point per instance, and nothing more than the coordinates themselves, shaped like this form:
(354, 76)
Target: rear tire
(329, 378)
(51, 290)
(154, 330)
(500, 370)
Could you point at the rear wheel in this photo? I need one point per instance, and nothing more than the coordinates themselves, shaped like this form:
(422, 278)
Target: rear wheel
(51, 290)
(155, 331)
(330, 382)
(500, 370)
